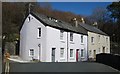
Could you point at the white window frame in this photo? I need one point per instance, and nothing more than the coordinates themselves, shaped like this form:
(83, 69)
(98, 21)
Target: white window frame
(106, 39)
(31, 53)
(99, 50)
(98, 38)
(63, 54)
(90, 52)
(71, 36)
(61, 34)
(92, 39)
(39, 32)
(82, 39)
(82, 53)
(72, 53)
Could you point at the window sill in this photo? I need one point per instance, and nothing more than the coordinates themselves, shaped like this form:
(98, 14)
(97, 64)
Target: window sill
(72, 58)
(62, 41)
(92, 43)
(62, 58)
(71, 42)
(39, 38)
(82, 43)
(82, 57)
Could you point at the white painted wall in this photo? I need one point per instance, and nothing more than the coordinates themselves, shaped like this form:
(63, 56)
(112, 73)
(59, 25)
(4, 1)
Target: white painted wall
(76, 44)
(53, 41)
(30, 40)
(50, 38)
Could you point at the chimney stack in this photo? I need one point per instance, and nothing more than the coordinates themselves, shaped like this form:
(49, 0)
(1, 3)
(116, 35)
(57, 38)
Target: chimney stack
(75, 21)
(82, 20)
(95, 24)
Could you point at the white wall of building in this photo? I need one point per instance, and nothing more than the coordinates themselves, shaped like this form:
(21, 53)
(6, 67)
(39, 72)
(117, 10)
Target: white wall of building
(53, 41)
(50, 38)
(30, 40)
(76, 44)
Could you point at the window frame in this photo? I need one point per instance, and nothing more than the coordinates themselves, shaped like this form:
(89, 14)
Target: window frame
(39, 32)
(72, 53)
(82, 39)
(92, 39)
(31, 52)
(82, 53)
(61, 34)
(71, 36)
(63, 54)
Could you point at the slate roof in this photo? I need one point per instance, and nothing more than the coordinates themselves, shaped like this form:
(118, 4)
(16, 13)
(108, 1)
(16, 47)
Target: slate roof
(60, 24)
(92, 29)
(82, 28)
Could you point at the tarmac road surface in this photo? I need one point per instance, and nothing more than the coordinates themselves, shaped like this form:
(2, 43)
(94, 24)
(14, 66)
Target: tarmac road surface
(61, 67)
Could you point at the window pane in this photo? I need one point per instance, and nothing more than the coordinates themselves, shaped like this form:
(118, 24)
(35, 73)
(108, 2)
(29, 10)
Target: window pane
(82, 53)
(39, 32)
(92, 39)
(61, 52)
(31, 52)
(71, 36)
(61, 34)
(90, 52)
(71, 52)
(81, 39)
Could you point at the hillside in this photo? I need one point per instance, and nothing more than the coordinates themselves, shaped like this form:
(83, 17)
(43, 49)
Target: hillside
(14, 13)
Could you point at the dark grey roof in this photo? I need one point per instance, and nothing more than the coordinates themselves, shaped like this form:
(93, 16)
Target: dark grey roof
(60, 24)
(92, 29)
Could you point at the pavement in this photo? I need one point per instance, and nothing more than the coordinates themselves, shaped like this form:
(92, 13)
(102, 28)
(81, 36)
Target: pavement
(17, 59)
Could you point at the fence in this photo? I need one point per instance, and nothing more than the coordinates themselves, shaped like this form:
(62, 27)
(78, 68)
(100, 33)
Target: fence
(109, 59)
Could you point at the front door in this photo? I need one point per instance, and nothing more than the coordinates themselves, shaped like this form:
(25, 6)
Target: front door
(94, 53)
(53, 54)
(77, 55)
(103, 49)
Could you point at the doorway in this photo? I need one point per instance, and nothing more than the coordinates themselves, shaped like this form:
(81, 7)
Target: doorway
(103, 49)
(94, 53)
(77, 55)
(53, 54)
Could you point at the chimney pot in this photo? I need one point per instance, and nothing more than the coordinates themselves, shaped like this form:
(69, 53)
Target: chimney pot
(82, 20)
(75, 21)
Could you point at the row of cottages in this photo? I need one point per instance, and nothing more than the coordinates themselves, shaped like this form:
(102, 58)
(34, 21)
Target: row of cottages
(98, 41)
(50, 40)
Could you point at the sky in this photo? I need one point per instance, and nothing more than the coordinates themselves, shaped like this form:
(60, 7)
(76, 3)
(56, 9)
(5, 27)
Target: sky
(82, 8)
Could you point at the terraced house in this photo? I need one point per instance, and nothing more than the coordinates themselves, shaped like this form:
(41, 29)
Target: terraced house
(51, 40)
(98, 41)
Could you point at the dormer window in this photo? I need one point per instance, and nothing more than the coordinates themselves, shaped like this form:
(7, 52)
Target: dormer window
(71, 36)
(61, 34)
(39, 32)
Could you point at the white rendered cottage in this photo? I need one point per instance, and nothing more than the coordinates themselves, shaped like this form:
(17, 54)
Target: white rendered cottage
(51, 40)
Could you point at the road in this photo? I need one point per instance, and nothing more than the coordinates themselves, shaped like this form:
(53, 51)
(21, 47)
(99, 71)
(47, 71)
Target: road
(61, 67)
